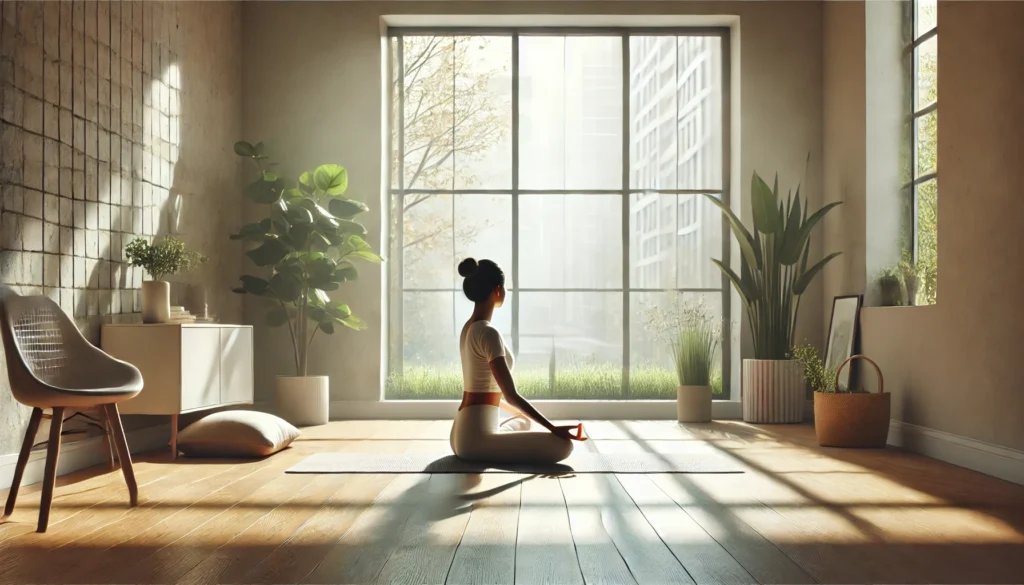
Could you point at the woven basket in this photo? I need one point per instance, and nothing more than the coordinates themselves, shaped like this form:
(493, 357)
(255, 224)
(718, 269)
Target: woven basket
(852, 419)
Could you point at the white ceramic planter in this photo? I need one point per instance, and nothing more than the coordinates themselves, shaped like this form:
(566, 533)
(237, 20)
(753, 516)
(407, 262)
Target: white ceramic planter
(693, 404)
(773, 391)
(303, 400)
(156, 301)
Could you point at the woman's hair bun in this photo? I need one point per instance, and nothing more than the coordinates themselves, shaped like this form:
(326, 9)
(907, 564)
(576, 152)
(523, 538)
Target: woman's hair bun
(468, 267)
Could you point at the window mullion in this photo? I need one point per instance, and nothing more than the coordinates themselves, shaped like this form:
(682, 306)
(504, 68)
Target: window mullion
(515, 193)
(626, 128)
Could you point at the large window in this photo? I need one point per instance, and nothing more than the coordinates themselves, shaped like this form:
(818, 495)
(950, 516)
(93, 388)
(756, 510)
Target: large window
(579, 161)
(922, 188)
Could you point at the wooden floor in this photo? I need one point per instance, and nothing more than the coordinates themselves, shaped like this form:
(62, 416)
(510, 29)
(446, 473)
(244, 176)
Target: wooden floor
(800, 514)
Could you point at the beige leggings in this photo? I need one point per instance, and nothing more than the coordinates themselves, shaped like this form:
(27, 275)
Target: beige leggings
(478, 434)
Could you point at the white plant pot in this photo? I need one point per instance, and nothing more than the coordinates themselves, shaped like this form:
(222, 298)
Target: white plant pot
(156, 301)
(773, 391)
(303, 400)
(693, 404)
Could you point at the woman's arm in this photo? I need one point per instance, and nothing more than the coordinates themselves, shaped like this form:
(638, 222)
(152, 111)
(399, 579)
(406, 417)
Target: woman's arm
(502, 375)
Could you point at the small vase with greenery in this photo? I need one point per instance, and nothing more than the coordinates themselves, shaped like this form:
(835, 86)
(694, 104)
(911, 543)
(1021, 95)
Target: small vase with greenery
(817, 375)
(307, 246)
(911, 273)
(693, 335)
(775, 272)
(890, 286)
(160, 259)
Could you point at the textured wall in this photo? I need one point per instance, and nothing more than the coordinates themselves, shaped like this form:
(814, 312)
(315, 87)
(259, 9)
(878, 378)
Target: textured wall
(332, 82)
(118, 119)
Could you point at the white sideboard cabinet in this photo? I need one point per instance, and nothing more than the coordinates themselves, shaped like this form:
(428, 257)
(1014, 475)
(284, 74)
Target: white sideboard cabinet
(185, 368)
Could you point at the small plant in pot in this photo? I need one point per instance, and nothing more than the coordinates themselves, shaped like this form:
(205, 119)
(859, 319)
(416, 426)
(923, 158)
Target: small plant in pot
(160, 259)
(692, 334)
(850, 418)
(308, 246)
(775, 272)
(890, 286)
(911, 273)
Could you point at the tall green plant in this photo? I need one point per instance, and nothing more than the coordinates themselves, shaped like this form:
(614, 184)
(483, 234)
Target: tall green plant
(774, 273)
(309, 243)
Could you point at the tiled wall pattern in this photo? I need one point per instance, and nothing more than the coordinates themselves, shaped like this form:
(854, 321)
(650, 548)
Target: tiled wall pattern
(90, 135)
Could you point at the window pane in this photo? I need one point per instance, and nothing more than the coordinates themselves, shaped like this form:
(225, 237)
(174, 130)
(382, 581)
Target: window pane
(430, 329)
(927, 15)
(570, 241)
(483, 112)
(927, 127)
(676, 112)
(570, 112)
(927, 82)
(672, 241)
(927, 239)
(427, 71)
(652, 371)
(440, 230)
(570, 345)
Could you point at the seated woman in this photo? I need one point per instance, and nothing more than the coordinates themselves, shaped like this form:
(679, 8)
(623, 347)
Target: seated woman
(477, 433)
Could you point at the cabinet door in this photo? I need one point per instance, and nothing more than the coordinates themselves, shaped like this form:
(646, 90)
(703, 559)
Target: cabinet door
(236, 365)
(200, 367)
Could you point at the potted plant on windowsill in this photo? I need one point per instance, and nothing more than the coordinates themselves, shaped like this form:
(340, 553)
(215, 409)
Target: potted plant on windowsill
(890, 286)
(845, 418)
(773, 276)
(160, 259)
(692, 335)
(308, 245)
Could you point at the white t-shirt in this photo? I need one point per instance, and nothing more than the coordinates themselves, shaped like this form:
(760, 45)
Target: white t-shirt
(479, 345)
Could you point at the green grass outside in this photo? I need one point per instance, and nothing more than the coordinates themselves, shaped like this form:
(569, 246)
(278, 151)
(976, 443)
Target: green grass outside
(590, 382)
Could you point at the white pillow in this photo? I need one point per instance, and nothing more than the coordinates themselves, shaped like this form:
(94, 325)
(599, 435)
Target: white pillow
(236, 433)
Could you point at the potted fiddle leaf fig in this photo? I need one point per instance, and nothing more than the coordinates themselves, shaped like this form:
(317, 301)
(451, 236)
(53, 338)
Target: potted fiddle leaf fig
(774, 274)
(307, 246)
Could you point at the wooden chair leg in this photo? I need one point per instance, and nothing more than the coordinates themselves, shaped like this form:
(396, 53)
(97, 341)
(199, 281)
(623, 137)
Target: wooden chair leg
(26, 450)
(121, 443)
(50, 474)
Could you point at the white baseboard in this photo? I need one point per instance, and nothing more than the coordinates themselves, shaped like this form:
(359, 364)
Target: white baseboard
(555, 409)
(76, 455)
(994, 460)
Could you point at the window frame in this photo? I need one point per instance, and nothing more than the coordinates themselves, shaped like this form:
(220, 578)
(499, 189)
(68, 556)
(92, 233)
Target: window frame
(917, 39)
(395, 289)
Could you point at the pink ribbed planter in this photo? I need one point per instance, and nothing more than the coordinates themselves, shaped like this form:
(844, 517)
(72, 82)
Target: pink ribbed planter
(773, 391)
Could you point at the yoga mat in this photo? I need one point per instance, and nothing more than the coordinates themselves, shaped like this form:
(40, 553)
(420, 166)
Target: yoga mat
(579, 462)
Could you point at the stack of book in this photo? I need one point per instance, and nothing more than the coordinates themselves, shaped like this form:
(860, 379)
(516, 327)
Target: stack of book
(180, 315)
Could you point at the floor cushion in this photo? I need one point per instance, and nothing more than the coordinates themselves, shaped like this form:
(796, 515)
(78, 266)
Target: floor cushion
(236, 433)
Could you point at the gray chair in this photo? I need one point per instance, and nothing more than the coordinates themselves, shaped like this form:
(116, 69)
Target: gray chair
(52, 366)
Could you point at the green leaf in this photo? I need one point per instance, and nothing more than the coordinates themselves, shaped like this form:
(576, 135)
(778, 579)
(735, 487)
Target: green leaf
(286, 286)
(805, 279)
(332, 179)
(321, 296)
(244, 149)
(270, 252)
(253, 285)
(269, 176)
(260, 191)
(327, 327)
(764, 204)
(298, 236)
(340, 311)
(348, 226)
(356, 246)
(807, 226)
(743, 236)
(258, 149)
(790, 252)
(298, 215)
(748, 295)
(353, 322)
(294, 196)
(346, 208)
(306, 183)
(253, 231)
(277, 316)
(345, 272)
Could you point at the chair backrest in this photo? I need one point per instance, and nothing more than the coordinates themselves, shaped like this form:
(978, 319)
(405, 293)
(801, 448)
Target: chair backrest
(36, 335)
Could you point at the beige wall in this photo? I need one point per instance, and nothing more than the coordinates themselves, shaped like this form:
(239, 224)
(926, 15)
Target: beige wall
(99, 138)
(953, 367)
(319, 100)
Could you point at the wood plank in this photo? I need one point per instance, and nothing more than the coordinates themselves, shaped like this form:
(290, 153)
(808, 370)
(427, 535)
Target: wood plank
(599, 558)
(117, 564)
(487, 553)
(427, 544)
(295, 559)
(545, 552)
(702, 557)
(360, 554)
(599, 506)
(232, 561)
